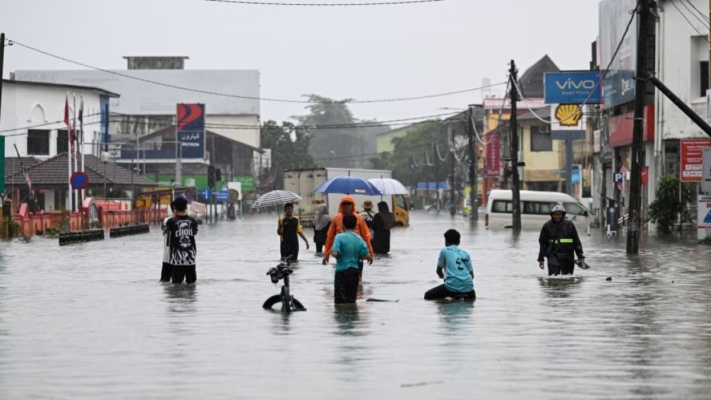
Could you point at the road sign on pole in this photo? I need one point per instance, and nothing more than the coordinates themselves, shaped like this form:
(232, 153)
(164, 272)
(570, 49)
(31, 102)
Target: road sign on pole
(222, 195)
(617, 177)
(206, 194)
(79, 180)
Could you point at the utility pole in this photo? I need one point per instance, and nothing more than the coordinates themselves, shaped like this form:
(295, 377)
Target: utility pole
(515, 194)
(473, 160)
(635, 204)
(453, 208)
(2, 62)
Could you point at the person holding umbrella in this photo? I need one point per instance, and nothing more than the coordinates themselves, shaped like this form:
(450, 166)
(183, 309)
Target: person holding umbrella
(288, 229)
(347, 207)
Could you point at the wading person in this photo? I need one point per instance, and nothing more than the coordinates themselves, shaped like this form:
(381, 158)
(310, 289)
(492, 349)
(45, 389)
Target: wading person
(349, 250)
(289, 230)
(559, 243)
(383, 222)
(167, 271)
(322, 221)
(347, 207)
(368, 214)
(181, 230)
(455, 267)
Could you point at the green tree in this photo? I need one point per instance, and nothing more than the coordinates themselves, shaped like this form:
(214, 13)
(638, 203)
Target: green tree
(289, 151)
(666, 208)
(338, 139)
(414, 157)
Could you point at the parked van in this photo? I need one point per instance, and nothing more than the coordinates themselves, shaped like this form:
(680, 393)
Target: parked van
(535, 209)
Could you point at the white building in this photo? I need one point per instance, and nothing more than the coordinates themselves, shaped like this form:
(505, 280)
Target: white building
(682, 64)
(33, 117)
(152, 87)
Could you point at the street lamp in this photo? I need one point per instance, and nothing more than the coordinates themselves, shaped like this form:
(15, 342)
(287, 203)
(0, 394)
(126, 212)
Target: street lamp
(105, 157)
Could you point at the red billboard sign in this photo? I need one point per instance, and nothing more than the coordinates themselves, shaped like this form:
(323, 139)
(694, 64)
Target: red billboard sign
(692, 162)
(493, 154)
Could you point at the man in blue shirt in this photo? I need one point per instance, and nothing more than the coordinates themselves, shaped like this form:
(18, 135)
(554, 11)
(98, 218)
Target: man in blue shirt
(348, 248)
(455, 267)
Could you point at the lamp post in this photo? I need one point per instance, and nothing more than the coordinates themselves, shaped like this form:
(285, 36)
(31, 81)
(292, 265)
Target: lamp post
(105, 157)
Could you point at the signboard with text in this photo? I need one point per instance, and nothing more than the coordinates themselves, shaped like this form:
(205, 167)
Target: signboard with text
(493, 154)
(190, 130)
(619, 84)
(692, 166)
(573, 87)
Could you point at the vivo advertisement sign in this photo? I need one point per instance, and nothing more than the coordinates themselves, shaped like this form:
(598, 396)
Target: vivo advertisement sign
(191, 130)
(572, 87)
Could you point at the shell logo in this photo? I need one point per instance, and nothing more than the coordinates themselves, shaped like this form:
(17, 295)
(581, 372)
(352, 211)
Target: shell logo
(568, 114)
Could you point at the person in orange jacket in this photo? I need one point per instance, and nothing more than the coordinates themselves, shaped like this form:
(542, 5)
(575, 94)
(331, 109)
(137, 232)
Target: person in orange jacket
(347, 206)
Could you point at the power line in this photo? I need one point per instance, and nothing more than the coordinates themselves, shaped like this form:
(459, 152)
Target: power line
(251, 97)
(602, 78)
(704, 21)
(387, 3)
(699, 11)
(689, 22)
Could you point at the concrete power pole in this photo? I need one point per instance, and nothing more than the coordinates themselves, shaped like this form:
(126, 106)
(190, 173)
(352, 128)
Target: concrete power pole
(473, 164)
(515, 190)
(635, 205)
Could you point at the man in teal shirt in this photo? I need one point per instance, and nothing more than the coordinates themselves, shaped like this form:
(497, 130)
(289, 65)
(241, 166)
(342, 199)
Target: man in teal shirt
(348, 248)
(455, 267)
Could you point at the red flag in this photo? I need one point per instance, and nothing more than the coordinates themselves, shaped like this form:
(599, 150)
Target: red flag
(66, 121)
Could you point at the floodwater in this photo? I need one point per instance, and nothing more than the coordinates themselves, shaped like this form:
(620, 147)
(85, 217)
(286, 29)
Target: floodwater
(92, 321)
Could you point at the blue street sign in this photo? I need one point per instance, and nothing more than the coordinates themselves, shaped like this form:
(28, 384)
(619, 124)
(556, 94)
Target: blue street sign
(617, 177)
(222, 195)
(421, 185)
(206, 194)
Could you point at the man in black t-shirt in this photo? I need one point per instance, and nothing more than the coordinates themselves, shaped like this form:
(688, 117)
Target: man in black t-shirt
(180, 232)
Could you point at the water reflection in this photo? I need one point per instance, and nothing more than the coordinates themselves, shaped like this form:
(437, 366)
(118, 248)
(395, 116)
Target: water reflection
(181, 298)
(559, 287)
(455, 315)
(348, 320)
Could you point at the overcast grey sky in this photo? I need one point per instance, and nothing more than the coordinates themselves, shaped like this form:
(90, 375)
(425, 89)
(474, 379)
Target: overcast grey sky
(339, 52)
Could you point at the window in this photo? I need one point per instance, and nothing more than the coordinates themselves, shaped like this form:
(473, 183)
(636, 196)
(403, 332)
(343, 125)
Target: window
(37, 142)
(574, 209)
(62, 141)
(502, 206)
(536, 207)
(541, 140)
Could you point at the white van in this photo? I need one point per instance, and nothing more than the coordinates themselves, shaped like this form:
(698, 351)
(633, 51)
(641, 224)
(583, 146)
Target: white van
(535, 209)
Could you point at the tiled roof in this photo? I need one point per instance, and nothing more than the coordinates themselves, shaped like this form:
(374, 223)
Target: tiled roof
(55, 172)
(13, 165)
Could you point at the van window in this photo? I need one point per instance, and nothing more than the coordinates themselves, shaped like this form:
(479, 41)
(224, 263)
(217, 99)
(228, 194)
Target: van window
(400, 201)
(536, 207)
(574, 209)
(502, 206)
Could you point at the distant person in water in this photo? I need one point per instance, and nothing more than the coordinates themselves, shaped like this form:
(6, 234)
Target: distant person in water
(383, 222)
(322, 221)
(349, 249)
(181, 230)
(455, 267)
(289, 229)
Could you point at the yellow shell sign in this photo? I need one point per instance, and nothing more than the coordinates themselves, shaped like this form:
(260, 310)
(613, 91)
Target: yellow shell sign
(568, 114)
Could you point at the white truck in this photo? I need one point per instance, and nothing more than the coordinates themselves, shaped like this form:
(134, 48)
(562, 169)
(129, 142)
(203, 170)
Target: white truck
(305, 181)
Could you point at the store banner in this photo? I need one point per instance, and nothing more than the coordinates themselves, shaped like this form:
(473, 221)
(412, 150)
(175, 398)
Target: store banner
(692, 166)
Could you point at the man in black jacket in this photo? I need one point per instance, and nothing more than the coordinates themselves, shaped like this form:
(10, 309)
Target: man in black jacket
(559, 243)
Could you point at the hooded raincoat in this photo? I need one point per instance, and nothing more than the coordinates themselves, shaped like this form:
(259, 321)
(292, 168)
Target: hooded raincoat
(336, 227)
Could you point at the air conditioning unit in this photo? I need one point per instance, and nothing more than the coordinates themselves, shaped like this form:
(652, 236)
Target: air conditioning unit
(544, 129)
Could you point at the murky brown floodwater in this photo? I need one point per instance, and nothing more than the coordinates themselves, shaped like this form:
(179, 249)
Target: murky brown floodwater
(92, 321)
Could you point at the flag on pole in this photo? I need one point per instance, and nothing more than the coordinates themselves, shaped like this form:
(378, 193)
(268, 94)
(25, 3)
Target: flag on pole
(68, 123)
(80, 140)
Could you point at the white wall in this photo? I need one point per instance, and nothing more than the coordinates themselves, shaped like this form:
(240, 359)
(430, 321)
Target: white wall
(25, 106)
(680, 49)
(237, 127)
